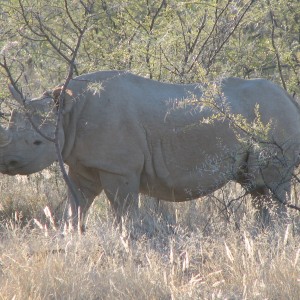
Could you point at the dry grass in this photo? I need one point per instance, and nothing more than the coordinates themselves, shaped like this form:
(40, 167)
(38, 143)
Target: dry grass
(212, 253)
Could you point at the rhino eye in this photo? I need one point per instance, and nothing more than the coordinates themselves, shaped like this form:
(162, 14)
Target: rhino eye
(37, 142)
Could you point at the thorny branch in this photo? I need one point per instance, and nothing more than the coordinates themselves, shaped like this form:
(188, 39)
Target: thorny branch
(224, 113)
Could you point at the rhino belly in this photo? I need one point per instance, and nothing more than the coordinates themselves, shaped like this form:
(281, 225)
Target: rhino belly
(185, 187)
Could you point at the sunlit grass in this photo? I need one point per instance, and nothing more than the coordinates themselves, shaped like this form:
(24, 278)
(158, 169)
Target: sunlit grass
(210, 253)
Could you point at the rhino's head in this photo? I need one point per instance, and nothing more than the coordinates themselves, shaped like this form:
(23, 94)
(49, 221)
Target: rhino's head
(23, 150)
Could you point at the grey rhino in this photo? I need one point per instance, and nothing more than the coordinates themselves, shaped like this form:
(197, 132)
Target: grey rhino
(126, 135)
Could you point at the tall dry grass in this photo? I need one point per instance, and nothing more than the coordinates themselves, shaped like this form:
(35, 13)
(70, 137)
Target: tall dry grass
(213, 252)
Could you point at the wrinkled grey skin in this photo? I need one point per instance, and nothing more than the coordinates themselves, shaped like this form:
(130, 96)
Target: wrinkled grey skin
(135, 135)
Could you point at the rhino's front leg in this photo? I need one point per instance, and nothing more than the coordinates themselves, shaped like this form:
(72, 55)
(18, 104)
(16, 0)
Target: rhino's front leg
(87, 186)
(122, 192)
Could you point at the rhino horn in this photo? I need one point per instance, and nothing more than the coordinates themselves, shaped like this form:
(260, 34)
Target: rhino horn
(5, 137)
(16, 94)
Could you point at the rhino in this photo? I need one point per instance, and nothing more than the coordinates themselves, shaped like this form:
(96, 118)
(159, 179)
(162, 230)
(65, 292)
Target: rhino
(128, 135)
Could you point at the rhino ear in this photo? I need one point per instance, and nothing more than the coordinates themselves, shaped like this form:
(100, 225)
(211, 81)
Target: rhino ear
(16, 94)
(68, 101)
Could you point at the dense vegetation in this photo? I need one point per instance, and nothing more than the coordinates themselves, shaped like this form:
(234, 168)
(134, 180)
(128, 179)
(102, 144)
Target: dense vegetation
(177, 41)
(214, 251)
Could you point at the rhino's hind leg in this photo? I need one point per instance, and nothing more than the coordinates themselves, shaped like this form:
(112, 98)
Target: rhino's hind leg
(261, 201)
(270, 205)
(269, 186)
(270, 199)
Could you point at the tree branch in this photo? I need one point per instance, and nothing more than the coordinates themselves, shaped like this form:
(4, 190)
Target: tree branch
(276, 49)
(59, 113)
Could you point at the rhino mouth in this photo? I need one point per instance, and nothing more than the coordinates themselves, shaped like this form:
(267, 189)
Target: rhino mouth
(13, 166)
(11, 171)
(21, 170)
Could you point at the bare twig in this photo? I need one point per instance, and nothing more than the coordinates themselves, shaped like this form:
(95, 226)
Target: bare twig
(276, 50)
(293, 206)
(60, 109)
(46, 34)
(219, 48)
(210, 36)
(218, 16)
(190, 45)
(13, 82)
(148, 56)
